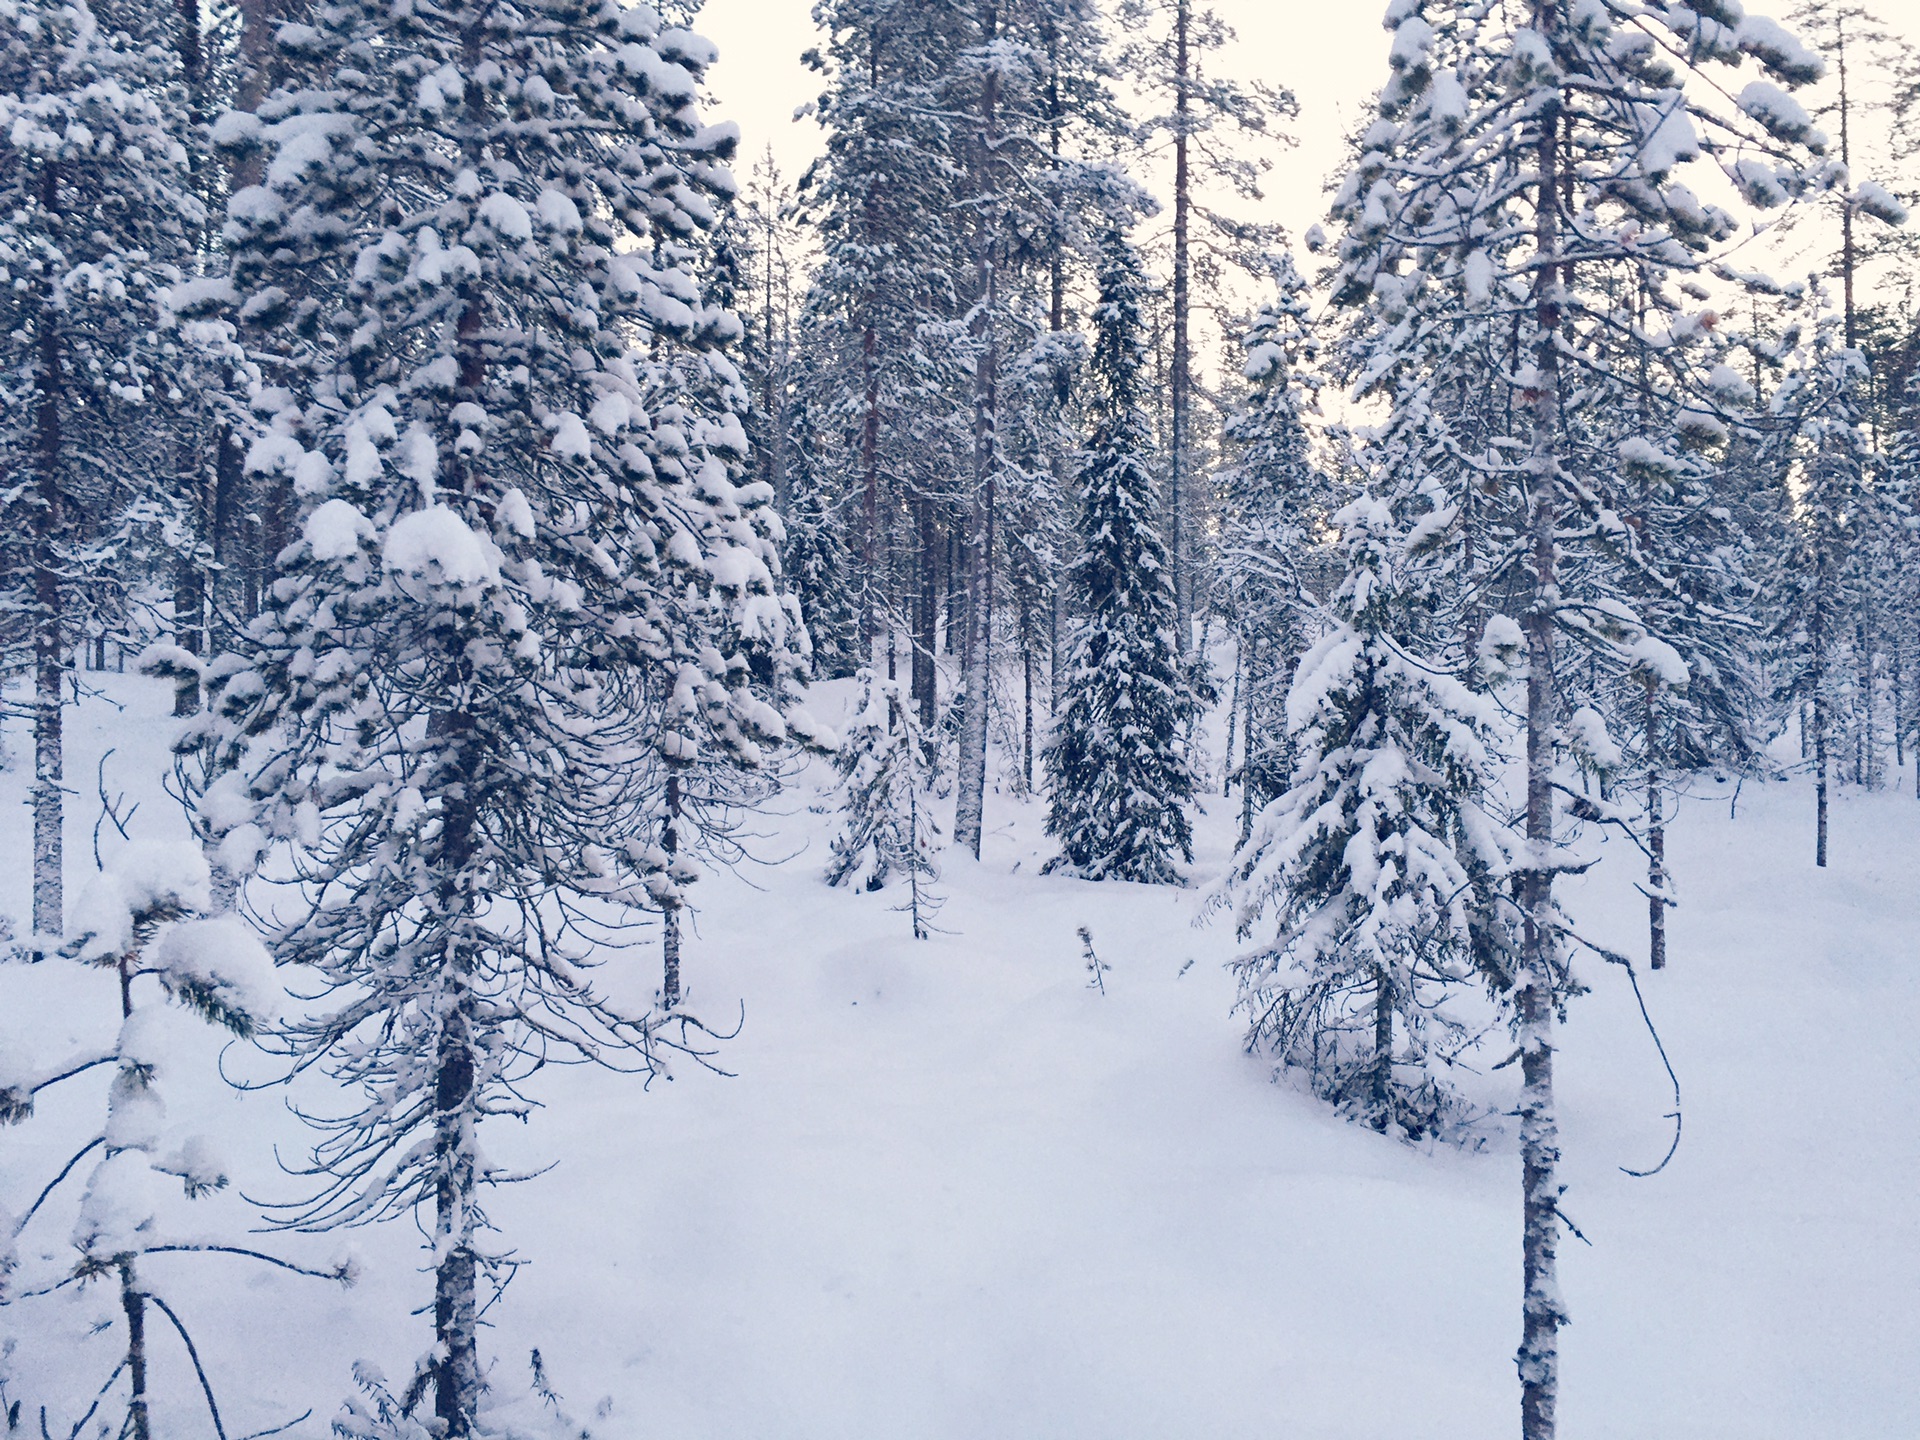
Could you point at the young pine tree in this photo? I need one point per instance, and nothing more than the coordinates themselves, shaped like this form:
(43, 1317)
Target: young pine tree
(1117, 778)
(888, 831)
(142, 924)
(527, 597)
(1382, 860)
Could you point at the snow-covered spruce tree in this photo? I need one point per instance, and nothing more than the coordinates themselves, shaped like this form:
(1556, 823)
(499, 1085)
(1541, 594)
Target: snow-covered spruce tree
(888, 830)
(1213, 126)
(1382, 860)
(1006, 93)
(525, 585)
(95, 214)
(1835, 515)
(1118, 783)
(888, 264)
(814, 552)
(142, 922)
(1274, 502)
(1532, 160)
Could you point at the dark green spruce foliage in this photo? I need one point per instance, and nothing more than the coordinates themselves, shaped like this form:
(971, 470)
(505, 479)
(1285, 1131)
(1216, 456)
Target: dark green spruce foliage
(1117, 777)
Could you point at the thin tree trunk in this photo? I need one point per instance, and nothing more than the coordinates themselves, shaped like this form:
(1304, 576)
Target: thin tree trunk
(133, 1304)
(927, 614)
(49, 905)
(1541, 1311)
(1233, 717)
(1382, 1049)
(1182, 299)
(1026, 669)
(870, 490)
(1820, 781)
(456, 1400)
(1656, 844)
(970, 802)
(670, 913)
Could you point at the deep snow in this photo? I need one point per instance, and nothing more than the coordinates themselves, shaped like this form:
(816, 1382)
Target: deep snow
(950, 1192)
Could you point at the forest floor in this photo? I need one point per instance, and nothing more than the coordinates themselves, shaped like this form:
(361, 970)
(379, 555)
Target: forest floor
(950, 1192)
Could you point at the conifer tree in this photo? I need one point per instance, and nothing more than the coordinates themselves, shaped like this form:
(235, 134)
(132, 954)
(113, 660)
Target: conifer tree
(1118, 781)
(888, 833)
(1273, 502)
(95, 214)
(1532, 162)
(141, 922)
(1835, 517)
(1383, 859)
(528, 590)
(1213, 126)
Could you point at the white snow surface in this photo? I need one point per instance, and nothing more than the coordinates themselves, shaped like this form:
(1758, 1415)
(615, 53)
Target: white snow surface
(952, 1192)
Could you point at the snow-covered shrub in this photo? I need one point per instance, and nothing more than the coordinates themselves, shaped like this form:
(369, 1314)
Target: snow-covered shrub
(887, 827)
(1380, 861)
(141, 921)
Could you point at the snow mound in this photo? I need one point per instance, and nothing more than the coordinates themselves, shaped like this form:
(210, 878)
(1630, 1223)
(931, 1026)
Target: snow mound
(435, 544)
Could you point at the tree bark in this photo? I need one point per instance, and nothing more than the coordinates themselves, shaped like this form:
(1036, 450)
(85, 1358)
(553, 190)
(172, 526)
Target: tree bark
(1382, 1050)
(1182, 300)
(1542, 1313)
(970, 801)
(927, 618)
(49, 904)
(870, 489)
(1656, 843)
(670, 913)
(133, 1304)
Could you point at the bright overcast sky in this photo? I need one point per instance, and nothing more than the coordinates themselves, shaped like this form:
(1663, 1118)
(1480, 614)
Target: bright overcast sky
(1330, 53)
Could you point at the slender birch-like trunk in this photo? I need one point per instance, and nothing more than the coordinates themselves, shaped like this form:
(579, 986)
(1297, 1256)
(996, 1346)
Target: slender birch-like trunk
(1542, 1313)
(970, 802)
(49, 807)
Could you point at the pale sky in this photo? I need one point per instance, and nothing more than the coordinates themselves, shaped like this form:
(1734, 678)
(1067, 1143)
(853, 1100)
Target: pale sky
(1331, 53)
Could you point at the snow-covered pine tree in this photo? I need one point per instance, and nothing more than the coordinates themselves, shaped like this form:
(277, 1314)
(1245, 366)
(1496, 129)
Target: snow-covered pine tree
(814, 554)
(1382, 861)
(95, 217)
(1213, 126)
(1822, 463)
(525, 585)
(1274, 504)
(888, 830)
(889, 265)
(143, 922)
(1118, 782)
(1531, 160)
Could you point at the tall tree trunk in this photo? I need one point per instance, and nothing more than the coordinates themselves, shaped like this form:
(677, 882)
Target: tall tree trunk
(927, 618)
(1541, 1311)
(456, 1326)
(670, 912)
(49, 905)
(869, 490)
(1817, 644)
(1026, 675)
(456, 1319)
(1820, 781)
(971, 799)
(1233, 719)
(1382, 1049)
(1182, 300)
(1656, 843)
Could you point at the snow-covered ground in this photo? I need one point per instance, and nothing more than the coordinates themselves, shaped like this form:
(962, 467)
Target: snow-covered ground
(951, 1192)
